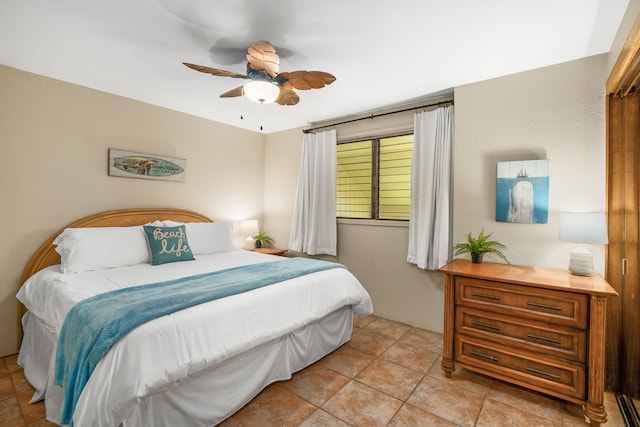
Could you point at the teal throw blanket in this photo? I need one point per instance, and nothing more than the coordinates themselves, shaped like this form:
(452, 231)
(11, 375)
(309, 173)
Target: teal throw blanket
(93, 325)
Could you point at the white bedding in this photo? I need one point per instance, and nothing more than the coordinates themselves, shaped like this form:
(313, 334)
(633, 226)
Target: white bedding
(179, 347)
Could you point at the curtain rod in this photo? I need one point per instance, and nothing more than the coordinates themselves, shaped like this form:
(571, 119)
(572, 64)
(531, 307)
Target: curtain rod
(373, 116)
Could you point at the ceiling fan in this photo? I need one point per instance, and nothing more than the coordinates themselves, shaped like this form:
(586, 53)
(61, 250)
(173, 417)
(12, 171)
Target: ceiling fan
(267, 84)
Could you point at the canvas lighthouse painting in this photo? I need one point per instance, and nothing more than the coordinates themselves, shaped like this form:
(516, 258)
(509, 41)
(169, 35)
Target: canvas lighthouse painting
(522, 191)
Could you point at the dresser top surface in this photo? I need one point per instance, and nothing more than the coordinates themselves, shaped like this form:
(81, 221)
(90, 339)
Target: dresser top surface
(530, 276)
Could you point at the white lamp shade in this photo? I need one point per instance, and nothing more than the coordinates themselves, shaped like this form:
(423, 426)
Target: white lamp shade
(590, 228)
(247, 228)
(585, 228)
(262, 92)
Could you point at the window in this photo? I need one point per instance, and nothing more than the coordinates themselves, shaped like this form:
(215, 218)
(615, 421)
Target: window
(374, 178)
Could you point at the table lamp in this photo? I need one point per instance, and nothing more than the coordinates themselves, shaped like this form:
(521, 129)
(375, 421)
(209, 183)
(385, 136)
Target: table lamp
(583, 228)
(246, 230)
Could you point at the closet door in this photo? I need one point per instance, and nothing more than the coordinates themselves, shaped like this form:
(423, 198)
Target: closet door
(623, 201)
(623, 256)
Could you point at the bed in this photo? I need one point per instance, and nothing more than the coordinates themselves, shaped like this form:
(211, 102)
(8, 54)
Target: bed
(195, 366)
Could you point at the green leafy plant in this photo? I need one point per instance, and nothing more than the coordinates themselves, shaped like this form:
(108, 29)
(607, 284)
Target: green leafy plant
(480, 245)
(262, 240)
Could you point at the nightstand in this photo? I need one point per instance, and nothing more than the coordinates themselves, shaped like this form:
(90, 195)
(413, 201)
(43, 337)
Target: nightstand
(271, 251)
(534, 327)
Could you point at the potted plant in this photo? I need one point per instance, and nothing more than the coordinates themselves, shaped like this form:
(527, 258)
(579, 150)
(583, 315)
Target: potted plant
(262, 240)
(478, 246)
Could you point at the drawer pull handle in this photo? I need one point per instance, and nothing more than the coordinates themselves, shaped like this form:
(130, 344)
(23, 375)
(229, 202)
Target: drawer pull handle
(475, 294)
(546, 374)
(485, 325)
(548, 307)
(536, 337)
(484, 356)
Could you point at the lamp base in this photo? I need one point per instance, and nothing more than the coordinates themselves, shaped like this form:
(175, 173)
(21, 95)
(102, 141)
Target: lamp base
(249, 244)
(581, 262)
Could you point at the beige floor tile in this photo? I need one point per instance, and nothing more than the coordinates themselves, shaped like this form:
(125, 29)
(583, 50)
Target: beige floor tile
(20, 383)
(388, 328)
(361, 322)
(370, 341)
(10, 413)
(452, 403)
(410, 416)
(6, 386)
(321, 418)
(410, 356)
(42, 423)
(462, 378)
(362, 406)
(316, 384)
(31, 411)
(347, 361)
(420, 337)
(274, 407)
(495, 413)
(389, 378)
(578, 420)
(532, 402)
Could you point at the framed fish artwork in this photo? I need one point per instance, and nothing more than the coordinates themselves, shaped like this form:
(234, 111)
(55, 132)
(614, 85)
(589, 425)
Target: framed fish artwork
(522, 191)
(146, 166)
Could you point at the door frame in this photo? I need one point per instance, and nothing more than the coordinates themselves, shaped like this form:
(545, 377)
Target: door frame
(624, 80)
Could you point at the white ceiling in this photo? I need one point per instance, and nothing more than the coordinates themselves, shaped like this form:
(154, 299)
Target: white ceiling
(382, 52)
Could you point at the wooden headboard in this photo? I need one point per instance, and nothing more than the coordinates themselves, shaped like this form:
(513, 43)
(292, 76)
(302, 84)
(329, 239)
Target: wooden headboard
(46, 254)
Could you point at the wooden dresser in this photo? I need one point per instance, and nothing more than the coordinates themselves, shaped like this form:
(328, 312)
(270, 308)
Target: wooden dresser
(538, 328)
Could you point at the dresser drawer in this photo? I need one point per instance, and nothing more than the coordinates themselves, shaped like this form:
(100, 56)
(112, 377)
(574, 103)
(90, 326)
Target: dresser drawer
(523, 333)
(546, 374)
(546, 305)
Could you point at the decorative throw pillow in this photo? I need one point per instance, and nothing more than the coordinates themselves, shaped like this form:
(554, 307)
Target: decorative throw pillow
(205, 237)
(168, 244)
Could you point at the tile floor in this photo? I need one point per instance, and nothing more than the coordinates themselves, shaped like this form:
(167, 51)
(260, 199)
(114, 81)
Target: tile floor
(387, 375)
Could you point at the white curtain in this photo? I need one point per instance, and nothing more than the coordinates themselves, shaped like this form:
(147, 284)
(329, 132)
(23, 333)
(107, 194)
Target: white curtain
(314, 229)
(431, 195)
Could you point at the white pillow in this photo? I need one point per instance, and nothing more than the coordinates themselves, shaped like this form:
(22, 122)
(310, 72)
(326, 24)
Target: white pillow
(210, 237)
(87, 249)
(207, 237)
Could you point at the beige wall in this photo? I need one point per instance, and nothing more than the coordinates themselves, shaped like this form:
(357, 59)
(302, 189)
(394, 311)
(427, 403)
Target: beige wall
(555, 112)
(280, 180)
(54, 138)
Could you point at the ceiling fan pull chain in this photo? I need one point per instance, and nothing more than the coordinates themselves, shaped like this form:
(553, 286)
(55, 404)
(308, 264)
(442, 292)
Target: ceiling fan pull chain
(241, 106)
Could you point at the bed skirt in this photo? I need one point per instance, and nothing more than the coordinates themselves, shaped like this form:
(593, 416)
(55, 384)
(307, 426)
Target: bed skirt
(208, 398)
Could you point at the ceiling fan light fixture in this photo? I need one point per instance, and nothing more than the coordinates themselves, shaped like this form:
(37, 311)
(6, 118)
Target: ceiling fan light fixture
(261, 91)
(266, 83)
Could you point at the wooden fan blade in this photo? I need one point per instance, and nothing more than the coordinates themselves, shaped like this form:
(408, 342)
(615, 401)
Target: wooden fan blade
(215, 71)
(286, 85)
(304, 80)
(287, 97)
(239, 91)
(262, 56)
